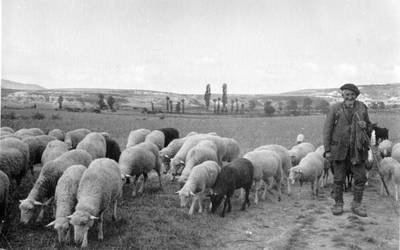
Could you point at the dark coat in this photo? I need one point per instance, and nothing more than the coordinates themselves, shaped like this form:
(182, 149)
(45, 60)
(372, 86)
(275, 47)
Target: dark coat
(337, 130)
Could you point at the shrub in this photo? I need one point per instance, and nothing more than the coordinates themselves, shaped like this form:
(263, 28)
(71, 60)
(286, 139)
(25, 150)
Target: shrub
(38, 116)
(10, 116)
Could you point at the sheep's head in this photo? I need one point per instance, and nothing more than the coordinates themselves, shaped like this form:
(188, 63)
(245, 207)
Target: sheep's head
(68, 141)
(176, 166)
(27, 208)
(216, 200)
(81, 221)
(62, 226)
(184, 196)
(294, 175)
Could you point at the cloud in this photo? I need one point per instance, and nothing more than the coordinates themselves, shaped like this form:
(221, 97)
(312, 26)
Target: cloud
(346, 69)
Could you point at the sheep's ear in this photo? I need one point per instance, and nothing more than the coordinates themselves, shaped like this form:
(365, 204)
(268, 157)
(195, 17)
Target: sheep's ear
(93, 217)
(38, 203)
(178, 192)
(51, 223)
(182, 162)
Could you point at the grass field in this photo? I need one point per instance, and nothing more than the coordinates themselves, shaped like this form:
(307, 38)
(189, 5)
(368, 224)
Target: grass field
(155, 220)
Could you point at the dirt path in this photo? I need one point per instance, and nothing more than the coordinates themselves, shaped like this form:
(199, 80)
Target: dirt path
(303, 222)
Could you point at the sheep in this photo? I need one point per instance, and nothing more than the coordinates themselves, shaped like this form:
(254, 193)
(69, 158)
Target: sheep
(7, 129)
(99, 187)
(390, 172)
(299, 138)
(95, 144)
(237, 174)
(300, 150)
(157, 137)
(37, 144)
(4, 136)
(4, 193)
(396, 151)
(385, 148)
(12, 163)
(73, 137)
(268, 167)
(53, 150)
(137, 136)
(170, 151)
(205, 150)
(5, 133)
(23, 133)
(170, 134)
(65, 200)
(285, 159)
(139, 160)
(113, 150)
(202, 177)
(232, 149)
(21, 147)
(327, 165)
(45, 184)
(380, 133)
(310, 169)
(57, 133)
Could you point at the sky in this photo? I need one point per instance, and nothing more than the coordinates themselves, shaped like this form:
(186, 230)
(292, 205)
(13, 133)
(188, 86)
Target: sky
(254, 46)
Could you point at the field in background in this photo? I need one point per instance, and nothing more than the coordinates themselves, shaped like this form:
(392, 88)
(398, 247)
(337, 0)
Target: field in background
(155, 220)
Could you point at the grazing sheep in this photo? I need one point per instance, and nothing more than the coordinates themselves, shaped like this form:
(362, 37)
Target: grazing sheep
(53, 150)
(385, 148)
(139, 160)
(37, 144)
(22, 147)
(65, 200)
(380, 133)
(4, 193)
(4, 136)
(205, 150)
(95, 144)
(396, 151)
(170, 134)
(237, 174)
(390, 172)
(73, 137)
(285, 159)
(268, 167)
(299, 138)
(157, 137)
(57, 133)
(298, 151)
(137, 136)
(327, 165)
(310, 169)
(232, 149)
(24, 132)
(46, 183)
(7, 129)
(201, 177)
(113, 150)
(12, 163)
(4, 133)
(167, 153)
(100, 187)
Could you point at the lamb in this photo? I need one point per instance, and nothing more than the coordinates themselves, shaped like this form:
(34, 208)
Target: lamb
(299, 138)
(137, 136)
(65, 200)
(285, 159)
(157, 137)
(57, 133)
(396, 151)
(23, 148)
(310, 169)
(385, 148)
(170, 134)
(139, 160)
(95, 144)
(113, 150)
(37, 144)
(73, 137)
(237, 174)
(300, 150)
(201, 177)
(45, 184)
(268, 167)
(12, 164)
(203, 151)
(99, 188)
(4, 193)
(390, 171)
(53, 150)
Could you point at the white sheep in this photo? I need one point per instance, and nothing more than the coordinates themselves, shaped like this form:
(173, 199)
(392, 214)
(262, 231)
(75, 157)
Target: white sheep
(26, 132)
(12, 163)
(4, 193)
(310, 169)
(37, 145)
(297, 152)
(285, 159)
(57, 133)
(95, 144)
(385, 148)
(53, 150)
(46, 183)
(65, 200)
(396, 151)
(300, 138)
(73, 137)
(390, 172)
(7, 129)
(137, 136)
(327, 165)
(139, 160)
(232, 149)
(167, 153)
(157, 137)
(202, 177)
(99, 188)
(23, 148)
(205, 150)
(267, 167)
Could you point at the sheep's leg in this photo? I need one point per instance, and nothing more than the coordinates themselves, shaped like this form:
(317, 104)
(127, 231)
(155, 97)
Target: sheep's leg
(41, 215)
(264, 195)
(68, 238)
(257, 186)
(159, 178)
(191, 210)
(100, 227)
(367, 175)
(279, 189)
(134, 191)
(141, 189)
(288, 185)
(228, 198)
(247, 200)
(396, 191)
(85, 239)
(223, 209)
(114, 216)
(200, 201)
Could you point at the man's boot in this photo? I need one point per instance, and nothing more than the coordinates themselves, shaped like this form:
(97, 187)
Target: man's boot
(356, 207)
(337, 209)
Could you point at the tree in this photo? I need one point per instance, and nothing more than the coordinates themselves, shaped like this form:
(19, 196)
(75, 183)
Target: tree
(215, 105)
(252, 104)
(110, 102)
(218, 104)
(178, 107)
(232, 103)
(237, 105)
(100, 102)
(242, 108)
(60, 101)
(268, 109)
(224, 98)
(170, 106)
(307, 104)
(292, 106)
(167, 98)
(280, 106)
(323, 106)
(183, 106)
(207, 96)
(152, 106)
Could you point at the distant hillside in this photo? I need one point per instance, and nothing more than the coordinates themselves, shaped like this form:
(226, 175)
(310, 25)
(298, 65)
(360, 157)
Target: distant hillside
(6, 84)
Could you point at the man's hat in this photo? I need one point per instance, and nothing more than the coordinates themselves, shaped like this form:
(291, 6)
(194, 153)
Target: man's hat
(351, 87)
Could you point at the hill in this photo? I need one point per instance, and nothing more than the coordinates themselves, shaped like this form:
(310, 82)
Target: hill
(6, 84)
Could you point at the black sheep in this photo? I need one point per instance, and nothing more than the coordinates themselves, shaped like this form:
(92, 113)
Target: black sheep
(237, 174)
(169, 134)
(113, 150)
(380, 133)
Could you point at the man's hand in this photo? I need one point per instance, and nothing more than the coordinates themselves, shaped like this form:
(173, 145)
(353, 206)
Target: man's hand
(362, 124)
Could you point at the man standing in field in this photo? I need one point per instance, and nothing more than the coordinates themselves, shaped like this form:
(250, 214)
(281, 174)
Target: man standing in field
(346, 143)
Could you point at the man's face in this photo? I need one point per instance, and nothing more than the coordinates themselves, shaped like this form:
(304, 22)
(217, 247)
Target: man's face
(349, 96)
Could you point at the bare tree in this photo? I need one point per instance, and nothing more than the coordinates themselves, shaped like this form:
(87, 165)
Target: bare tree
(207, 96)
(224, 98)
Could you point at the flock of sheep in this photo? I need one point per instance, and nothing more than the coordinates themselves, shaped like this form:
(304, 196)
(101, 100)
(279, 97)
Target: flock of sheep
(83, 172)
